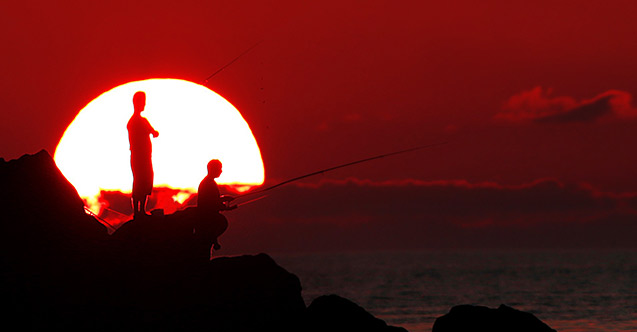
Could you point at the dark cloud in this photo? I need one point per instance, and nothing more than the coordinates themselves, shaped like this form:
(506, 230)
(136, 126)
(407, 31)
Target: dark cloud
(583, 113)
(355, 214)
(539, 106)
(457, 202)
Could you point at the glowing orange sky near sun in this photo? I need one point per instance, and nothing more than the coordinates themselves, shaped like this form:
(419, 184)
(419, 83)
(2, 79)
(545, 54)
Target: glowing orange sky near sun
(195, 125)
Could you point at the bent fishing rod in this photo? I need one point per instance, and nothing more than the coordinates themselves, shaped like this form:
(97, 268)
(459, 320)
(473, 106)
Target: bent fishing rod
(336, 167)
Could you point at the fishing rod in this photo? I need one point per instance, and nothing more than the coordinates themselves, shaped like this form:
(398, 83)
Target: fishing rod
(104, 222)
(337, 167)
(231, 62)
(252, 200)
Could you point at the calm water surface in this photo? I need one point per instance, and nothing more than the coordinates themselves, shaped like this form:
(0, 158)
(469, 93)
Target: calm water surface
(568, 290)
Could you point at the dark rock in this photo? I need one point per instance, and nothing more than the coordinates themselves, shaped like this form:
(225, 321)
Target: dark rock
(477, 318)
(59, 268)
(51, 251)
(252, 292)
(39, 204)
(334, 313)
(244, 293)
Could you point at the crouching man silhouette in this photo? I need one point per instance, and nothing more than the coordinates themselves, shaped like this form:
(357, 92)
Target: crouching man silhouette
(211, 223)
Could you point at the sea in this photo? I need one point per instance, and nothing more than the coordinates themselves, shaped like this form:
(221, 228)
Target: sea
(570, 290)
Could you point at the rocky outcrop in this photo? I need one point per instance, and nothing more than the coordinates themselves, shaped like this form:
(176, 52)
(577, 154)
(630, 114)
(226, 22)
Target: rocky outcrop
(41, 208)
(244, 293)
(334, 313)
(51, 251)
(59, 268)
(477, 318)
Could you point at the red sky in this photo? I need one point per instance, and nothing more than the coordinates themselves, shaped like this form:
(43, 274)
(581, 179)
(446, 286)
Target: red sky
(522, 92)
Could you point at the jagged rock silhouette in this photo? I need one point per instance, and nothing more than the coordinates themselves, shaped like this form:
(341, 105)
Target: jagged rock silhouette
(478, 318)
(61, 269)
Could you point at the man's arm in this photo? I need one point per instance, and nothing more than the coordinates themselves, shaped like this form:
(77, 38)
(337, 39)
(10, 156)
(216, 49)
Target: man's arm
(150, 129)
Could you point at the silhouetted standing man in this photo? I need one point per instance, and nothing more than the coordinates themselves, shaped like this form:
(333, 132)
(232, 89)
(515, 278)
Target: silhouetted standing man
(211, 224)
(141, 150)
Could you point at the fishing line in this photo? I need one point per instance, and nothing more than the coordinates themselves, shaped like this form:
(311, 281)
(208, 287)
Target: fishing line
(337, 167)
(231, 62)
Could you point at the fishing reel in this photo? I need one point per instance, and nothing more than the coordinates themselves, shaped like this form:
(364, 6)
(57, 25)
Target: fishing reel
(225, 200)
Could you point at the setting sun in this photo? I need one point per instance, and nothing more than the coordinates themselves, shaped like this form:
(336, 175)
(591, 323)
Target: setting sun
(195, 125)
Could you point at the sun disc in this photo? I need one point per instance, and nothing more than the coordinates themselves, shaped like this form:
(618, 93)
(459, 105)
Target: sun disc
(195, 125)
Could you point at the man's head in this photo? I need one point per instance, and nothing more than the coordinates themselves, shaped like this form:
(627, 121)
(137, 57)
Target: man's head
(214, 168)
(139, 101)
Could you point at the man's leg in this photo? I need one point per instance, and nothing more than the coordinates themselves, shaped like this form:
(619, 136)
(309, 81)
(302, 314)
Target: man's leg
(134, 201)
(142, 205)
